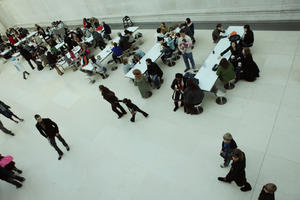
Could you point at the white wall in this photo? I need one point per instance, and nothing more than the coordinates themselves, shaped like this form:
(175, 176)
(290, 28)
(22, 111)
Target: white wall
(28, 12)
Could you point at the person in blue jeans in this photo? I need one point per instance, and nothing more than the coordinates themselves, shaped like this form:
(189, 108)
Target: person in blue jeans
(185, 47)
(154, 73)
(228, 145)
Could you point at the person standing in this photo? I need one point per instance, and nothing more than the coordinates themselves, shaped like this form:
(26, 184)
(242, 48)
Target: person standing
(133, 109)
(113, 100)
(107, 31)
(267, 192)
(5, 110)
(5, 130)
(142, 83)
(26, 55)
(178, 85)
(186, 52)
(49, 130)
(237, 171)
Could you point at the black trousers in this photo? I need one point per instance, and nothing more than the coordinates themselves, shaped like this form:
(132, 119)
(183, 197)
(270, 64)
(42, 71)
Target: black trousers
(24, 74)
(53, 143)
(101, 44)
(114, 107)
(178, 97)
(140, 111)
(14, 179)
(5, 130)
(28, 60)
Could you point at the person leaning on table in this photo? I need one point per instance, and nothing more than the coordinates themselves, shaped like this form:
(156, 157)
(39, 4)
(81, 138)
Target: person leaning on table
(216, 33)
(225, 71)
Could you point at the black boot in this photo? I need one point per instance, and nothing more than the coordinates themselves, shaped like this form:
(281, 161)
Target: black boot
(246, 187)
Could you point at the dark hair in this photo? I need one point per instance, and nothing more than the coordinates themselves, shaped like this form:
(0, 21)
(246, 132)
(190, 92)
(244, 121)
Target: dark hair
(163, 23)
(247, 27)
(188, 20)
(224, 63)
(148, 60)
(158, 30)
(247, 51)
(191, 83)
(219, 25)
(115, 44)
(178, 75)
(238, 153)
(177, 34)
(126, 101)
(93, 59)
(164, 44)
(182, 31)
(104, 89)
(234, 43)
(36, 116)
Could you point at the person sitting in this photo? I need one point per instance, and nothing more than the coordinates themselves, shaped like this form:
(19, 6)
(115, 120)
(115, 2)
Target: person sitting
(107, 31)
(159, 36)
(98, 39)
(126, 65)
(128, 34)
(117, 52)
(164, 28)
(138, 54)
(171, 43)
(192, 96)
(166, 51)
(154, 73)
(248, 37)
(249, 69)
(216, 33)
(124, 43)
(236, 54)
(98, 68)
(79, 33)
(225, 71)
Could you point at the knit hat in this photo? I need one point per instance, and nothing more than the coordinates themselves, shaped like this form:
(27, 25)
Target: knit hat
(178, 75)
(227, 136)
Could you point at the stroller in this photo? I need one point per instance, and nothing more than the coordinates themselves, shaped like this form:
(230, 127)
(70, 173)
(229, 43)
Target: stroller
(127, 22)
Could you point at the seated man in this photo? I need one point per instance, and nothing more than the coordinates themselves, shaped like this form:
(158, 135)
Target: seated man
(138, 54)
(154, 73)
(98, 39)
(166, 51)
(117, 51)
(107, 31)
(126, 65)
(124, 42)
(192, 96)
(216, 33)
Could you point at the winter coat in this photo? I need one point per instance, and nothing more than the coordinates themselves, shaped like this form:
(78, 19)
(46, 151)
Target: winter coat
(144, 86)
(249, 68)
(237, 172)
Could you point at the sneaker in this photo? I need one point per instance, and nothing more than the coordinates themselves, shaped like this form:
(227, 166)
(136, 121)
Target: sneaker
(132, 120)
(68, 148)
(60, 156)
(221, 179)
(11, 133)
(176, 108)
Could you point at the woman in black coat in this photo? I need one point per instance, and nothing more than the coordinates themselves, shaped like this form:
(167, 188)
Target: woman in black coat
(113, 100)
(5, 110)
(248, 37)
(10, 177)
(236, 54)
(192, 96)
(249, 69)
(178, 85)
(237, 171)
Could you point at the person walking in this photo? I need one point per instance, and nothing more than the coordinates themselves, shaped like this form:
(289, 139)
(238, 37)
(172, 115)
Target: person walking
(237, 171)
(141, 81)
(113, 100)
(49, 130)
(5, 110)
(26, 55)
(133, 109)
(11, 178)
(5, 130)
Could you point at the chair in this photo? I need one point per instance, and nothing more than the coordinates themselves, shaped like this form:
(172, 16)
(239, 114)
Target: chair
(221, 99)
(198, 108)
(170, 61)
(230, 85)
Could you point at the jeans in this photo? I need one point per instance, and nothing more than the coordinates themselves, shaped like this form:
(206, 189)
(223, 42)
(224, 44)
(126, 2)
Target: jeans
(154, 79)
(53, 143)
(186, 58)
(227, 157)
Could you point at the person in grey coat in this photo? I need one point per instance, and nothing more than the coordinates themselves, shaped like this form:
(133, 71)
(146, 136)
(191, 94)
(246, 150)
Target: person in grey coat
(98, 39)
(142, 83)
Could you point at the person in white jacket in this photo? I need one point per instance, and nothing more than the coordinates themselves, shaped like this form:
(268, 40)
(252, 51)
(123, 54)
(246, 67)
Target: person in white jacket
(16, 62)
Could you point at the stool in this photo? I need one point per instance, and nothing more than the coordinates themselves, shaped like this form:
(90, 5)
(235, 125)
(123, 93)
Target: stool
(229, 85)
(170, 62)
(221, 99)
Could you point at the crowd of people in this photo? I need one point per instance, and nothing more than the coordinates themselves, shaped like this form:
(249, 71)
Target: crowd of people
(187, 93)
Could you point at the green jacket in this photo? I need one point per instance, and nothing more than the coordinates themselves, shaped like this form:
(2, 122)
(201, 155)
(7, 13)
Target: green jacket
(227, 74)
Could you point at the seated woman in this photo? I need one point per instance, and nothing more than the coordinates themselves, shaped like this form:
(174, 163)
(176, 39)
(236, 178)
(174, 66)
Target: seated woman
(166, 51)
(154, 73)
(225, 71)
(249, 69)
(126, 65)
(192, 96)
(117, 51)
(164, 28)
(248, 37)
(236, 54)
(141, 81)
(171, 43)
(128, 34)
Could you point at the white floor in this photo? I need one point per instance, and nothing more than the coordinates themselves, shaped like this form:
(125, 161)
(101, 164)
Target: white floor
(169, 155)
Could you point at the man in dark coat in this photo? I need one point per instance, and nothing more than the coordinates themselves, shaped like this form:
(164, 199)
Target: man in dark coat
(124, 42)
(154, 73)
(237, 171)
(49, 130)
(98, 39)
(26, 55)
(10, 177)
(107, 31)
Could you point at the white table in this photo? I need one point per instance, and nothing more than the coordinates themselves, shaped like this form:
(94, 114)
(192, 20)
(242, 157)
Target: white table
(58, 46)
(31, 34)
(16, 54)
(5, 52)
(206, 76)
(107, 51)
(154, 53)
